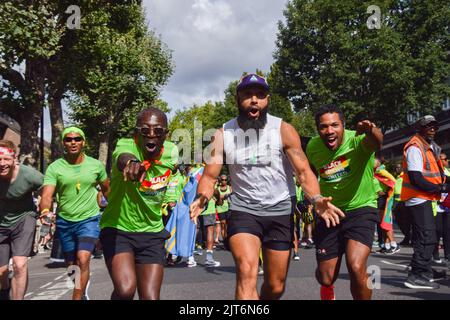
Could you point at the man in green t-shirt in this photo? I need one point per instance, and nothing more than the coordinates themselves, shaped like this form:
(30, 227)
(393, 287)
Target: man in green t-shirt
(74, 178)
(344, 161)
(17, 219)
(133, 233)
(222, 209)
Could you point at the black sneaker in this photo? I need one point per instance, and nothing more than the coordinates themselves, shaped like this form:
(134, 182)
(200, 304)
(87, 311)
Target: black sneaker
(435, 275)
(392, 250)
(383, 250)
(419, 282)
(98, 254)
(405, 243)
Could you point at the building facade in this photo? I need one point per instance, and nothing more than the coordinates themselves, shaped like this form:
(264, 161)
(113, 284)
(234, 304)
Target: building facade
(9, 129)
(394, 141)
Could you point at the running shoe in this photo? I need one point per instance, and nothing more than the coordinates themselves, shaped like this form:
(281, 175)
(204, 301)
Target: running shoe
(85, 296)
(327, 293)
(212, 263)
(392, 250)
(419, 282)
(437, 260)
(260, 271)
(435, 275)
(296, 257)
(191, 263)
(309, 244)
(170, 262)
(383, 250)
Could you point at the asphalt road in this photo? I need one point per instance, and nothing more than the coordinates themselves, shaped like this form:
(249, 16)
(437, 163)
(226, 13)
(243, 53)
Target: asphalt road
(48, 281)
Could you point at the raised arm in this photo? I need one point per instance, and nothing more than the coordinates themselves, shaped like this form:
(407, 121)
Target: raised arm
(374, 137)
(308, 181)
(132, 169)
(205, 188)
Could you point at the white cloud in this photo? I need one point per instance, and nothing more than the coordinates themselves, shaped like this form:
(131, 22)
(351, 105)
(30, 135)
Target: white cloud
(213, 42)
(210, 16)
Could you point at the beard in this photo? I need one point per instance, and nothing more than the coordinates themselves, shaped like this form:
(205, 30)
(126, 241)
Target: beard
(247, 123)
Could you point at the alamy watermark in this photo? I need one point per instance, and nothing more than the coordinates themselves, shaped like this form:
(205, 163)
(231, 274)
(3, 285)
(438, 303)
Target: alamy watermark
(74, 277)
(374, 21)
(74, 20)
(374, 277)
(244, 147)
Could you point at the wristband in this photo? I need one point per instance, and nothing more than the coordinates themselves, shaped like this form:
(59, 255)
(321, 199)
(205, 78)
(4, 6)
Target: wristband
(199, 195)
(315, 198)
(131, 160)
(45, 211)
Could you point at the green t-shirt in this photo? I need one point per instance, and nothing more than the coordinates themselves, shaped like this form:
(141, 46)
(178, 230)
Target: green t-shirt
(298, 192)
(76, 187)
(16, 199)
(175, 188)
(211, 208)
(345, 174)
(378, 186)
(135, 206)
(398, 188)
(225, 206)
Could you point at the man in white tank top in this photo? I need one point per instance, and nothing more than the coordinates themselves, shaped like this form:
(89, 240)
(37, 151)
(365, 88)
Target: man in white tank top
(261, 152)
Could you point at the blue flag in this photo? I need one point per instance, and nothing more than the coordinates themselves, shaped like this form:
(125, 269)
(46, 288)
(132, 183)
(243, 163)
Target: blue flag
(182, 230)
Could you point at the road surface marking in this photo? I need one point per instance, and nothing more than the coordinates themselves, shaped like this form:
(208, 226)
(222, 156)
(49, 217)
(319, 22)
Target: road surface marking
(395, 264)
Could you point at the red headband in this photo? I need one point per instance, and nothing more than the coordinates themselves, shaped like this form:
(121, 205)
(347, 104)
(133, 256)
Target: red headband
(6, 152)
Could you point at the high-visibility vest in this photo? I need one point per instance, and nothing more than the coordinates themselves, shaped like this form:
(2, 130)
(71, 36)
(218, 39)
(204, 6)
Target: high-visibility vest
(432, 171)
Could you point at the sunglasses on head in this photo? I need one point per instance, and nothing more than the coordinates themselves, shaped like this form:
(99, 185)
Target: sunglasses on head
(70, 139)
(158, 131)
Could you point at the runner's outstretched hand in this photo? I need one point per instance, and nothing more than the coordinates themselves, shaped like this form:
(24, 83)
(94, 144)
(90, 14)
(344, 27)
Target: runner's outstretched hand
(328, 212)
(134, 171)
(196, 208)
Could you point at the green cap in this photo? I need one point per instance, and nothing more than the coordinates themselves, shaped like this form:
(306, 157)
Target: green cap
(72, 130)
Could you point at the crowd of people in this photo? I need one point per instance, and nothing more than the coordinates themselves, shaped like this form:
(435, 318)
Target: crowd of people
(261, 197)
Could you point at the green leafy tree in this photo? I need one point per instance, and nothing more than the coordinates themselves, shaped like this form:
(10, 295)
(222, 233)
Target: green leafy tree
(29, 37)
(212, 116)
(326, 53)
(123, 68)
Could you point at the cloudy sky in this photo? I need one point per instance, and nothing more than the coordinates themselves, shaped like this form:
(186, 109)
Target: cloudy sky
(212, 43)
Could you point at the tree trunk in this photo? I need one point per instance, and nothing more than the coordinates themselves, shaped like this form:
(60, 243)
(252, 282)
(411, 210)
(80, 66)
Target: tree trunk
(29, 140)
(103, 147)
(56, 119)
(35, 73)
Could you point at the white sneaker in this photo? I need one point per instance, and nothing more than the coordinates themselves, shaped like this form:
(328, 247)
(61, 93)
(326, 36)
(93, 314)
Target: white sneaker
(191, 263)
(212, 263)
(86, 295)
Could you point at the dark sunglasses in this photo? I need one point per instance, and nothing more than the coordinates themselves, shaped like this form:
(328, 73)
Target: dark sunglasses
(158, 131)
(69, 139)
(435, 127)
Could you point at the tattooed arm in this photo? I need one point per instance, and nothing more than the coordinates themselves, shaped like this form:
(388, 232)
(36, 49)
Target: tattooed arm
(293, 149)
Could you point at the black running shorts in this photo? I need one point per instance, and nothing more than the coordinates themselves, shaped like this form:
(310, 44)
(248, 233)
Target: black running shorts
(275, 232)
(147, 247)
(358, 225)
